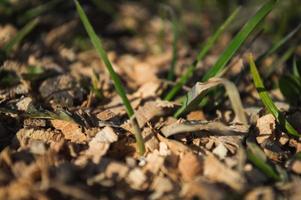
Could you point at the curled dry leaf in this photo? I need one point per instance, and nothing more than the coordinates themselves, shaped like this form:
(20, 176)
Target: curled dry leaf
(211, 126)
(216, 171)
(199, 90)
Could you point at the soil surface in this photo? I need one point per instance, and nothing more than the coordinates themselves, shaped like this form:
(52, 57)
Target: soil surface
(65, 134)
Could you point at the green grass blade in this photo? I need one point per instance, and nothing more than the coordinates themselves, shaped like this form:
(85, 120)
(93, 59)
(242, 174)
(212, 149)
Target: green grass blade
(280, 43)
(20, 36)
(239, 39)
(290, 87)
(296, 72)
(117, 83)
(37, 11)
(267, 101)
(207, 46)
(258, 158)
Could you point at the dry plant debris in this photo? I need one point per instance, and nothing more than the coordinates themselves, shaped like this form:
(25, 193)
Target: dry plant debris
(64, 132)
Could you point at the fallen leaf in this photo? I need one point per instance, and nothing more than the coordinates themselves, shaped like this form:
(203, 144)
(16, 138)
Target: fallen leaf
(219, 128)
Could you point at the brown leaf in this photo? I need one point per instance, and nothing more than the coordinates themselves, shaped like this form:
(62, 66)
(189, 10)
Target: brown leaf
(219, 128)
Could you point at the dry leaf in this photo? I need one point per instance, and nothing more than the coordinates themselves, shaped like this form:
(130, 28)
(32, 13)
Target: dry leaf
(199, 89)
(211, 126)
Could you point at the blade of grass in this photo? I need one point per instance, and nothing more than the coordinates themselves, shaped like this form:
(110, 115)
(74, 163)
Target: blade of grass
(279, 61)
(207, 46)
(279, 43)
(37, 11)
(20, 36)
(239, 39)
(296, 72)
(258, 158)
(267, 101)
(117, 83)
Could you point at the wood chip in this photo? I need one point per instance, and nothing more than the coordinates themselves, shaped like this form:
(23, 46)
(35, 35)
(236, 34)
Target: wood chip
(70, 130)
(296, 166)
(136, 179)
(190, 166)
(217, 171)
(220, 151)
(98, 146)
(266, 126)
(160, 185)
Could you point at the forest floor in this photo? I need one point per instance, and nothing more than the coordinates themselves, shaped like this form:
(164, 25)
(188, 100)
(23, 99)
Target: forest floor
(65, 133)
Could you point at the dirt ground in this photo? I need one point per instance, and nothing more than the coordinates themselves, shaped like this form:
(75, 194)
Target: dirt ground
(65, 134)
